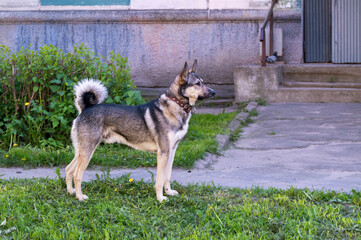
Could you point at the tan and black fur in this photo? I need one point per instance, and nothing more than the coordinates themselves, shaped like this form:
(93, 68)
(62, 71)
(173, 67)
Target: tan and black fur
(157, 126)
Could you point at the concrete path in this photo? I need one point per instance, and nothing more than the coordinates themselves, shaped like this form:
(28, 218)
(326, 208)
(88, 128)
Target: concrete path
(300, 144)
(317, 146)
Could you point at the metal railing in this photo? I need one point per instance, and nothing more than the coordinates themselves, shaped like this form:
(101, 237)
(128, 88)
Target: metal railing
(269, 18)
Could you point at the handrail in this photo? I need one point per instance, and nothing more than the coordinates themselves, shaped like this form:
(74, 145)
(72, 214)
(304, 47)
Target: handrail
(263, 34)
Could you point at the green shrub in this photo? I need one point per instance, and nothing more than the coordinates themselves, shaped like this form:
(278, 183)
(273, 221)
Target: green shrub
(36, 93)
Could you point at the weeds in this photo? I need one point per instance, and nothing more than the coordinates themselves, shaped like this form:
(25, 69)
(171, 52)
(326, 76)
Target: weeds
(261, 101)
(242, 105)
(253, 113)
(237, 133)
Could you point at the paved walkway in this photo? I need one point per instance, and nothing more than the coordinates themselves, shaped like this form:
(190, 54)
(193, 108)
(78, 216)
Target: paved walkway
(317, 146)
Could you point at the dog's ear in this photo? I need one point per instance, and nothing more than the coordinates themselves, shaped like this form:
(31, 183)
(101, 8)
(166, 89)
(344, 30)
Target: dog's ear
(194, 67)
(184, 74)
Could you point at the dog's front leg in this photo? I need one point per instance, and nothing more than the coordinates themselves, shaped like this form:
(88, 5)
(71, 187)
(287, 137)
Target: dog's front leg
(168, 173)
(162, 159)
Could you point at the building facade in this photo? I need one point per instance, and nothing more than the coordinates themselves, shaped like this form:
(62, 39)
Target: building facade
(158, 36)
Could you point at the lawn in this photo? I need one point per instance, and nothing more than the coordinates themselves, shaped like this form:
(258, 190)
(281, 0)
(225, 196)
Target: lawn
(201, 138)
(121, 209)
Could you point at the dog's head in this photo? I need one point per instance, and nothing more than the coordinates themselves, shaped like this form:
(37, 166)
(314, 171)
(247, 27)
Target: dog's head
(191, 86)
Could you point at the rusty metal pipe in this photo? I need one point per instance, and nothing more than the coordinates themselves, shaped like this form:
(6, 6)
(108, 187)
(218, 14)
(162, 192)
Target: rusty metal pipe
(271, 35)
(263, 40)
(263, 34)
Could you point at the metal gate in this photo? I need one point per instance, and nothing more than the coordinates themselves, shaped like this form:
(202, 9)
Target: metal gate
(317, 31)
(346, 31)
(332, 31)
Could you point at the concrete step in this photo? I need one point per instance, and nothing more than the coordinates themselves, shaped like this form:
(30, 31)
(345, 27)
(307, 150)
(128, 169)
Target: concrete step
(330, 73)
(222, 91)
(320, 85)
(151, 93)
(314, 94)
(224, 96)
(299, 83)
(216, 103)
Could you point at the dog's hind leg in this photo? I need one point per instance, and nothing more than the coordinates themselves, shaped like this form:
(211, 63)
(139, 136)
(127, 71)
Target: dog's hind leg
(162, 159)
(70, 169)
(168, 173)
(69, 173)
(83, 160)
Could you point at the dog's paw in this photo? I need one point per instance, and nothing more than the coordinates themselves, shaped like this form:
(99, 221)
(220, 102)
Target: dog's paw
(171, 192)
(71, 191)
(82, 197)
(162, 198)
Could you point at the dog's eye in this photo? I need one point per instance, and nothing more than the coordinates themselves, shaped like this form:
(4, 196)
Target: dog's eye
(198, 83)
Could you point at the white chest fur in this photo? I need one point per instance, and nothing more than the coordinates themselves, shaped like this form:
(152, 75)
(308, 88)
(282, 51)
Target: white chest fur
(175, 137)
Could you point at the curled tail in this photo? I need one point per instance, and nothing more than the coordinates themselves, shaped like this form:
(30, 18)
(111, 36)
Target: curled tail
(89, 92)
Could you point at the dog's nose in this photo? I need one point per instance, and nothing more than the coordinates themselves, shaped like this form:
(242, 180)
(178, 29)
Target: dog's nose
(212, 92)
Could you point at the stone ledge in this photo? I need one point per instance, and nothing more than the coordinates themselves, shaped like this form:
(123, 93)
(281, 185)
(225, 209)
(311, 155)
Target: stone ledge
(101, 16)
(252, 82)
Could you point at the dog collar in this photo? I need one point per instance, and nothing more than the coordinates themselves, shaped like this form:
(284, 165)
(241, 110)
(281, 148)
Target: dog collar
(186, 107)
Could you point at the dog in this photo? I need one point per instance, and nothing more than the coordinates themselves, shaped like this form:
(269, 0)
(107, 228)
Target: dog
(157, 126)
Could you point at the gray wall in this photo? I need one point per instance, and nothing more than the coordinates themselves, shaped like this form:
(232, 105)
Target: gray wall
(157, 43)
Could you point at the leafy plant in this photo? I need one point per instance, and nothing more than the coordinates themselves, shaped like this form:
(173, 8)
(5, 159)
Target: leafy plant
(261, 101)
(36, 93)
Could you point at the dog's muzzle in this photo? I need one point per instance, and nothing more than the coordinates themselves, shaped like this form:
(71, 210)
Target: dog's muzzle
(212, 92)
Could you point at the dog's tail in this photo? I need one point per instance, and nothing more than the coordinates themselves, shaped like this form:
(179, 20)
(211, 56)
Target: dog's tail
(89, 92)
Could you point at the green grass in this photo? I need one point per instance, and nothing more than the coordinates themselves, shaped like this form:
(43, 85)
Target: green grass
(203, 129)
(119, 209)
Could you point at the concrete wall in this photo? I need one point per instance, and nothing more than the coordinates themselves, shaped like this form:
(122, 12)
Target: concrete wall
(157, 43)
(9, 5)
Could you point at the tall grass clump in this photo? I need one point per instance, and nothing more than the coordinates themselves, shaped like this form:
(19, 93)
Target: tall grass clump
(36, 91)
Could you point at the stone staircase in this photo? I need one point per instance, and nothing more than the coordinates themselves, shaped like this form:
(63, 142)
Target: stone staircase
(302, 83)
(284, 83)
(319, 83)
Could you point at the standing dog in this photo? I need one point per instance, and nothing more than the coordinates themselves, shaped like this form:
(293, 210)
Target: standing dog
(157, 126)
